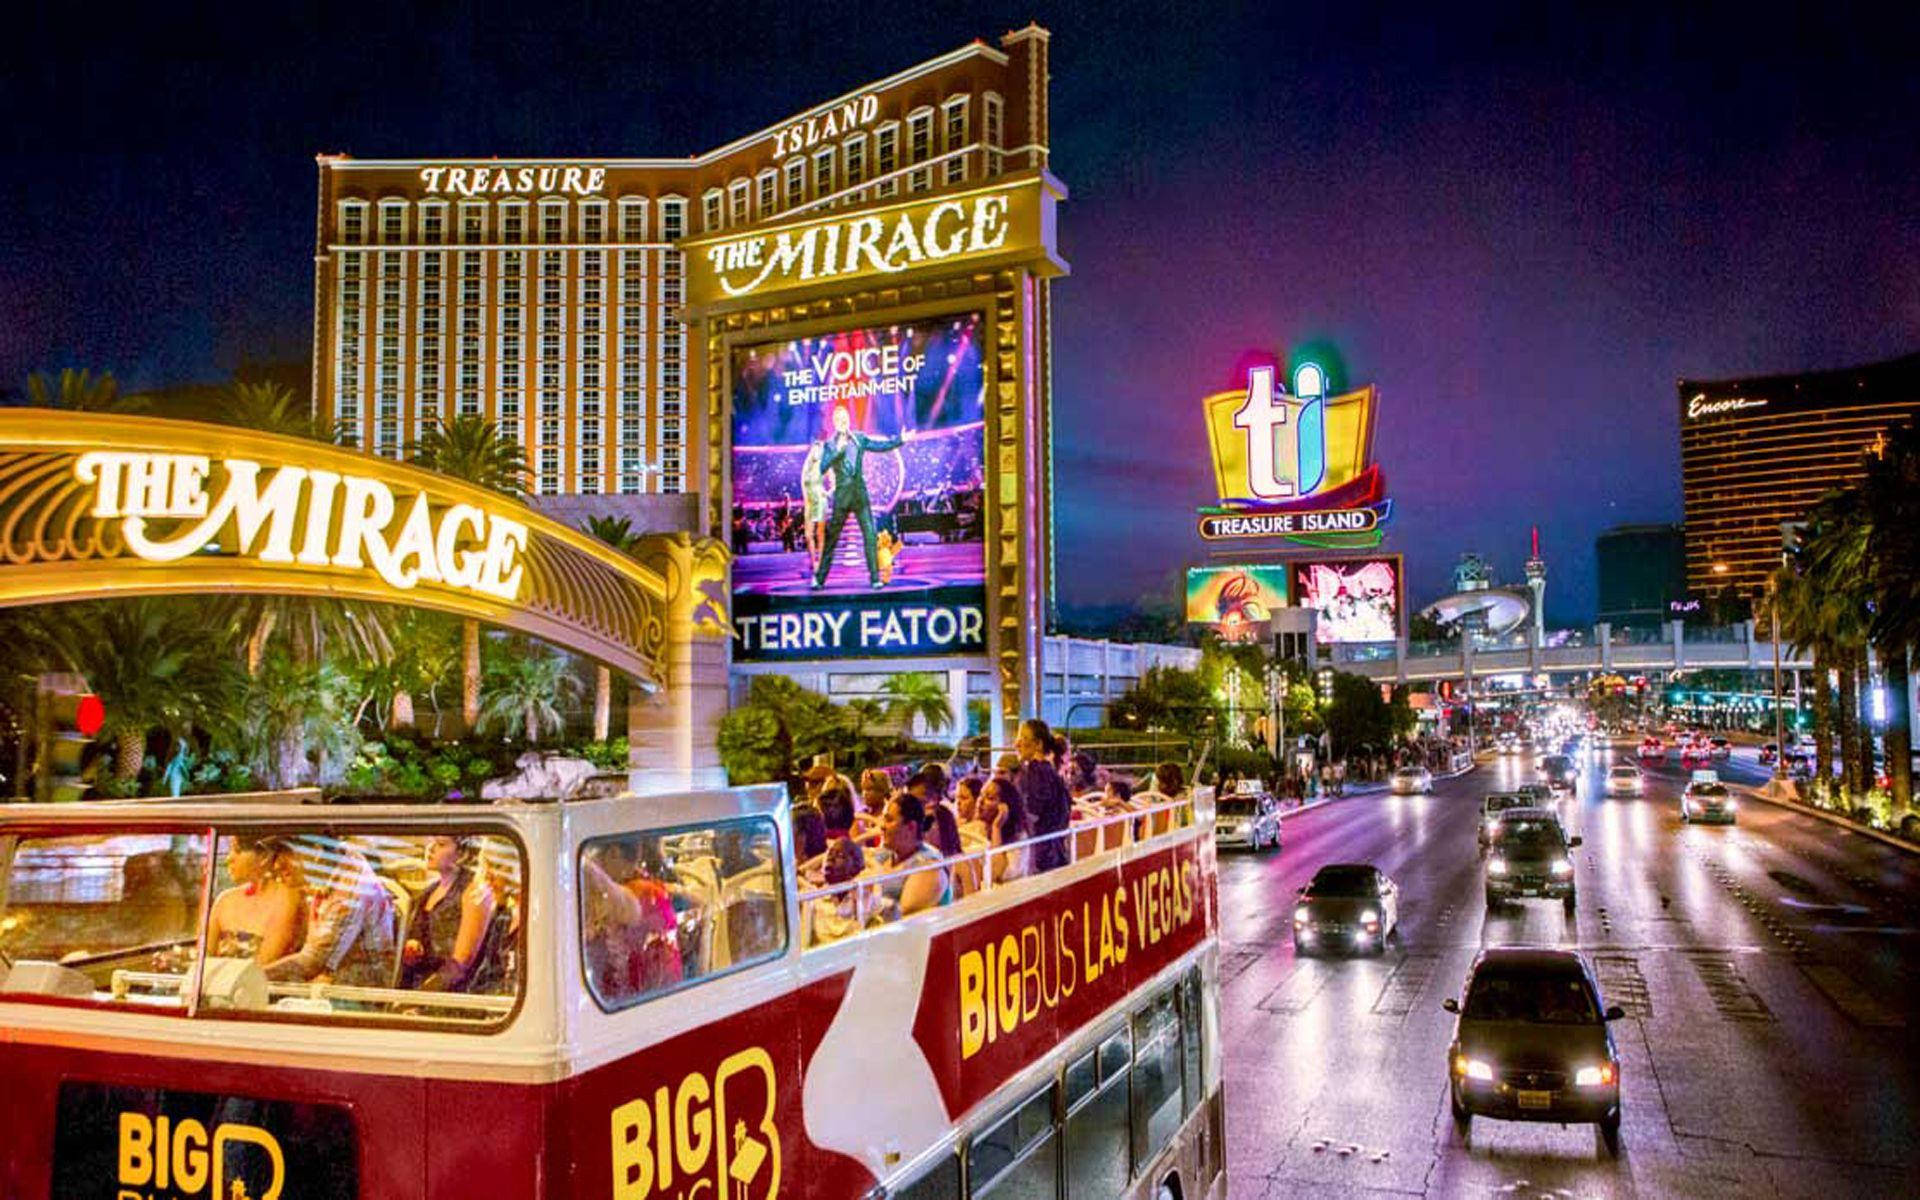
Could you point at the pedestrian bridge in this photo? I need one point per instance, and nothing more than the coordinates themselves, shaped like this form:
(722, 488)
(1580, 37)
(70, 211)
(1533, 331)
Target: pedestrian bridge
(1627, 650)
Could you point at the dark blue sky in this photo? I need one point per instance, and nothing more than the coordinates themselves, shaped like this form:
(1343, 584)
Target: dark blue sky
(1523, 227)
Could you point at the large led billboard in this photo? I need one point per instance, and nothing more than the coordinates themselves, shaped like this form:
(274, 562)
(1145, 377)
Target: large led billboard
(1238, 601)
(858, 489)
(1354, 599)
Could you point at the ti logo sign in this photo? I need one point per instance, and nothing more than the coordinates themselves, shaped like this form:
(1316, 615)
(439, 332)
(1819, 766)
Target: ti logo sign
(1294, 467)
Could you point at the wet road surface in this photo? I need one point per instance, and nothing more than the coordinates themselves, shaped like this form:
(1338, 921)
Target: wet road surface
(1770, 971)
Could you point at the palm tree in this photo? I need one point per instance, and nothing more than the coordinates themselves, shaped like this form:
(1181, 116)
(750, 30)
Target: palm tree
(80, 391)
(1835, 554)
(151, 662)
(920, 694)
(525, 693)
(1803, 625)
(271, 408)
(1890, 493)
(618, 533)
(471, 448)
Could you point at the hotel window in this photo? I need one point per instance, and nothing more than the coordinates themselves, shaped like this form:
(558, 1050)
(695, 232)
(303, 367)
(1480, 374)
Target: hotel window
(550, 470)
(886, 157)
(996, 131)
(633, 219)
(673, 218)
(710, 215)
(433, 223)
(353, 222)
(670, 469)
(589, 470)
(737, 201)
(796, 180)
(513, 222)
(553, 221)
(856, 151)
(823, 172)
(473, 223)
(393, 221)
(919, 148)
(593, 221)
(954, 137)
(766, 192)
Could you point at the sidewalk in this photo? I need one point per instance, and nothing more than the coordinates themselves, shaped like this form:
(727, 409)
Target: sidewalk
(1371, 788)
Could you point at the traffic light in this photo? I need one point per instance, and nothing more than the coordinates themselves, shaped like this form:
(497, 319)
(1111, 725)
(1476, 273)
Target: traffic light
(1323, 680)
(69, 719)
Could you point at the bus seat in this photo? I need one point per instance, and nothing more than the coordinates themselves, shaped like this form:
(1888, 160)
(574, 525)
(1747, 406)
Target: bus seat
(403, 917)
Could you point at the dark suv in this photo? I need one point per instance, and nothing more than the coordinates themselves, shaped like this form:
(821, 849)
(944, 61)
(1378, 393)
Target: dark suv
(1532, 1044)
(1529, 857)
(1561, 773)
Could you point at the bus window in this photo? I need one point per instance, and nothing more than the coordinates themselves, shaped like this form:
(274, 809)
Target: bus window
(79, 908)
(941, 1181)
(1017, 1157)
(1096, 1140)
(1156, 1078)
(1190, 1023)
(665, 908)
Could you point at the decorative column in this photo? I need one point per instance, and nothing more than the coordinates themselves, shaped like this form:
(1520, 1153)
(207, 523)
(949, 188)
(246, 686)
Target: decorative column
(673, 728)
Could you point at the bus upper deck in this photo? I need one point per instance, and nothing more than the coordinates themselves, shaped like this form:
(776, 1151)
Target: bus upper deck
(589, 973)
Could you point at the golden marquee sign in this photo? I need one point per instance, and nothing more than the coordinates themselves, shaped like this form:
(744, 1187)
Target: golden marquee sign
(95, 505)
(1010, 220)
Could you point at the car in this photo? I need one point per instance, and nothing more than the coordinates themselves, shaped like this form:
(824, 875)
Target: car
(1719, 748)
(1490, 809)
(1652, 749)
(1346, 906)
(1528, 856)
(1532, 1043)
(1707, 800)
(1769, 754)
(1408, 781)
(1248, 821)
(1508, 744)
(1560, 772)
(1694, 753)
(1625, 780)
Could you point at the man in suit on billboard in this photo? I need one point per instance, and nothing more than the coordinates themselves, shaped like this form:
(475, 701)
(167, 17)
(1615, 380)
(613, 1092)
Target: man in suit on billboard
(844, 456)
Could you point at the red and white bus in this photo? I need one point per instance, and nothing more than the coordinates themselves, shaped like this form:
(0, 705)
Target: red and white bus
(227, 998)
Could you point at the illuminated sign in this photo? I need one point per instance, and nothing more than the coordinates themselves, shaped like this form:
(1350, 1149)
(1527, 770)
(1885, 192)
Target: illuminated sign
(1699, 406)
(462, 547)
(842, 118)
(1294, 467)
(971, 227)
(859, 492)
(491, 179)
(1353, 599)
(1238, 601)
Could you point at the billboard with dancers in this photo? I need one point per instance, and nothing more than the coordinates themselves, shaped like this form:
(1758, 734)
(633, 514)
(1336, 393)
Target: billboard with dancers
(1357, 599)
(858, 488)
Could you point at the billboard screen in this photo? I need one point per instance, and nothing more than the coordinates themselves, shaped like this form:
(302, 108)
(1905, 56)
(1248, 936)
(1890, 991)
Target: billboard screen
(1236, 600)
(858, 493)
(1354, 599)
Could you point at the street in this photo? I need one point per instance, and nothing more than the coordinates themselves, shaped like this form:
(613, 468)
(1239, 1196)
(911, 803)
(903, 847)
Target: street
(1766, 969)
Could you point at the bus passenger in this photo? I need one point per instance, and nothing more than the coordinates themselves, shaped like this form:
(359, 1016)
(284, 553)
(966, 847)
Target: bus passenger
(836, 812)
(1049, 807)
(810, 829)
(875, 790)
(929, 886)
(449, 922)
(263, 915)
(1006, 816)
(831, 918)
(350, 929)
(633, 943)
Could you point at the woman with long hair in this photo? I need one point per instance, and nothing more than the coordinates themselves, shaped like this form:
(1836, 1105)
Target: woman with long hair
(1049, 806)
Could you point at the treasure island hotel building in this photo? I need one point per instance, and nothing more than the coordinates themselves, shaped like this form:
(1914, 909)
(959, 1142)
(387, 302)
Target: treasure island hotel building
(547, 294)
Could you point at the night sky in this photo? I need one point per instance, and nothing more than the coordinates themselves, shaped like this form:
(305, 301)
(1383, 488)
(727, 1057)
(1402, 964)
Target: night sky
(1521, 227)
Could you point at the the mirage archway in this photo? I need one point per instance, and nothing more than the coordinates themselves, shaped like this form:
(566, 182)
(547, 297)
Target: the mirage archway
(95, 506)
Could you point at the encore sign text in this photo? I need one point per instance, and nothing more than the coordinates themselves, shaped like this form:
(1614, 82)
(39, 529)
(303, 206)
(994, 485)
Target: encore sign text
(309, 517)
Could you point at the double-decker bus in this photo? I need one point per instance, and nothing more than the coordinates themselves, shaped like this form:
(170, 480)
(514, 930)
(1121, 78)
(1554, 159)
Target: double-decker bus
(270, 997)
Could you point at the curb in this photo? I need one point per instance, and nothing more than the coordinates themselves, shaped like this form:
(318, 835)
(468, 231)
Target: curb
(1835, 819)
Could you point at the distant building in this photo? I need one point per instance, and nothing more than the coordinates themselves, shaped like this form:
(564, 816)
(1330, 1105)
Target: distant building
(1643, 574)
(1755, 453)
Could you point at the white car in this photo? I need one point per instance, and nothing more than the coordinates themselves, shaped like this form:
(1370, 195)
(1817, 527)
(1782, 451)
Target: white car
(1625, 780)
(1410, 781)
(1249, 822)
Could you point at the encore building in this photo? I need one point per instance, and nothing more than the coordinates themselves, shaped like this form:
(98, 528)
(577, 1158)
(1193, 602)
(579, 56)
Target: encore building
(1757, 453)
(700, 343)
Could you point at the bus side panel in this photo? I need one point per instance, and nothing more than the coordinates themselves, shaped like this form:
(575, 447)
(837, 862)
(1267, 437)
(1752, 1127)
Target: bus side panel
(491, 1141)
(715, 1111)
(380, 1120)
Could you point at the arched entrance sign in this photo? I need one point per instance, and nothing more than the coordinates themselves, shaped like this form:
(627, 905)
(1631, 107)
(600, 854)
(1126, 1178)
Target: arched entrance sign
(96, 505)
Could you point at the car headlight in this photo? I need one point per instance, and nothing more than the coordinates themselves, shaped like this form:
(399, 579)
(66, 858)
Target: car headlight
(1599, 1076)
(1731, 804)
(1562, 866)
(1473, 1068)
(1493, 823)
(1300, 915)
(1496, 866)
(1369, 917)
